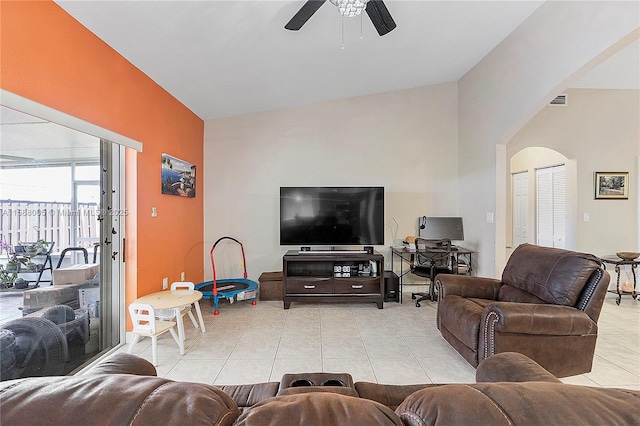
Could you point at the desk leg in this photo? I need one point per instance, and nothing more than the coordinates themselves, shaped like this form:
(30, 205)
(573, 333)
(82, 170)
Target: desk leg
(401, 279)
(199, 312)
(393, 264)
(180, 324)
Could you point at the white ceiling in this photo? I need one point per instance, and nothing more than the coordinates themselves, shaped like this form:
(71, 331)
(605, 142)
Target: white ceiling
(225, 58)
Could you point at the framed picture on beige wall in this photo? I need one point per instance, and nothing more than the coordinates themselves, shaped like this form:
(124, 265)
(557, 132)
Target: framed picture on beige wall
(611, 185)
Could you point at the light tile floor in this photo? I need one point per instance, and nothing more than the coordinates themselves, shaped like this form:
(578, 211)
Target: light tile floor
(399, 344)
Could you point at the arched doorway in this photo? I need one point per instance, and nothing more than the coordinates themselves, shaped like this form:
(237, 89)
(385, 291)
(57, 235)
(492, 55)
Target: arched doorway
(541, 197)
(524, 176)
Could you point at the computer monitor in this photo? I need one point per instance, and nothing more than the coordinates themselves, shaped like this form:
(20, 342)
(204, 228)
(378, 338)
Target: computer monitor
(441, 228)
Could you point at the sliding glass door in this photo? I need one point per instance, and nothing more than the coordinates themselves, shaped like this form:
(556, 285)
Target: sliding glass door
(62, 193)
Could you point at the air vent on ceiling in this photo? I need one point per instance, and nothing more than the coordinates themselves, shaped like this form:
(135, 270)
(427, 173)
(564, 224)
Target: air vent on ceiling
(560, 100)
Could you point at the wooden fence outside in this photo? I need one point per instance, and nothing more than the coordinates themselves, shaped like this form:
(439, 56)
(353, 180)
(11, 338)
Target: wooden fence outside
(29, 221)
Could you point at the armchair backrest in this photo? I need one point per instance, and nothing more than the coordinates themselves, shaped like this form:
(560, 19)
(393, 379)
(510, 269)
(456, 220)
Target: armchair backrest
(536, 274)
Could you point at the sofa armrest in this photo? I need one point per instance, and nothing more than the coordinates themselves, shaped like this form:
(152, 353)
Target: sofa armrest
(538, 319)
(512, 367)
(123, 363)
(466, 286)
(113, 399)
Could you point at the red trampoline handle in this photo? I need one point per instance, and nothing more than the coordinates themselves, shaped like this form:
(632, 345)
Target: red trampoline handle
(213, 265)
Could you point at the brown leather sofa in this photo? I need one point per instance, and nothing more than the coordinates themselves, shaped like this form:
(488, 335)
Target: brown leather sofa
(123, 389)
(546, 306)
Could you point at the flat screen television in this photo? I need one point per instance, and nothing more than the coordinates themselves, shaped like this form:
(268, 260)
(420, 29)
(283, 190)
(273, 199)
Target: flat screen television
(332, 216)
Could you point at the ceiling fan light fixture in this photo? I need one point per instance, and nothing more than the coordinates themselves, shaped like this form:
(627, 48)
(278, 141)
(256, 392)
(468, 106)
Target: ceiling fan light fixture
(376, 9)
(350, 8)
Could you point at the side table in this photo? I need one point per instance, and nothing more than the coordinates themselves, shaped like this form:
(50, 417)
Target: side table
(618, 262)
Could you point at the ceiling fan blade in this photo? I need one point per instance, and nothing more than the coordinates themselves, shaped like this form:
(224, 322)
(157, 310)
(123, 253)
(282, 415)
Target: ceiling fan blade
(380, 17)
(306, 11)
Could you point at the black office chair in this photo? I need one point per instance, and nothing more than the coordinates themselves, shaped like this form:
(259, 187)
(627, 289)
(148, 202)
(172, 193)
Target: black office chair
(432, 257)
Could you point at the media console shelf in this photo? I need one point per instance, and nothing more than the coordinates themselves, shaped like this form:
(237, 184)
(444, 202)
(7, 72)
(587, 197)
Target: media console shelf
(332, 277)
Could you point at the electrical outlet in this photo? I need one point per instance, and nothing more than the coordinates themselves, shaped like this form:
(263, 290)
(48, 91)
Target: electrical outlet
(154, 212)
(181, 276)
(165, 283)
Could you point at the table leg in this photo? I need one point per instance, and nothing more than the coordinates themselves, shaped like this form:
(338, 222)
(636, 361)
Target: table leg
(180, 324)
(199, 312)
(633, 272)
(619, 298)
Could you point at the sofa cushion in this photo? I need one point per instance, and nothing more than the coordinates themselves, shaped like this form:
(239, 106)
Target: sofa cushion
(509, 293)
(116, 399)
(558, 277)
(318, 408)
(462, 317)
(450, 405)
(389, 395)
(250, 394)
(533, 403)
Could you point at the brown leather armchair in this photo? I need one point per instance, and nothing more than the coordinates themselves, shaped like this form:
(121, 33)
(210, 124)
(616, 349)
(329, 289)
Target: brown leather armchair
(546, 306)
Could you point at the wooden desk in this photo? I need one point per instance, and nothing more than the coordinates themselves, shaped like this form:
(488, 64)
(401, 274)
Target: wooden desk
(405, 255)
(618, 262)
(174, 299)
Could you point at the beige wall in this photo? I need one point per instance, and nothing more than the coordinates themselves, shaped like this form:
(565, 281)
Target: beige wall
(556, 45)
(405, 141)
(600, 131)
(410, 141)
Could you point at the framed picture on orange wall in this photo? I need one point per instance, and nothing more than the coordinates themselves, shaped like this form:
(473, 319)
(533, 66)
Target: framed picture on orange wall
(178, 177)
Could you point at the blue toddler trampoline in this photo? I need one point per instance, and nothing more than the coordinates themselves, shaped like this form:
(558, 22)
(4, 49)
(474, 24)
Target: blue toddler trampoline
(228, 288)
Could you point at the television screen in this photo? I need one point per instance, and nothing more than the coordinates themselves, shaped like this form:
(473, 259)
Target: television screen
(331, 216)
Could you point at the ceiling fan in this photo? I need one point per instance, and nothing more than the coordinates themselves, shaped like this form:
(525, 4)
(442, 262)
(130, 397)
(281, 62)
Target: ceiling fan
(376, 9)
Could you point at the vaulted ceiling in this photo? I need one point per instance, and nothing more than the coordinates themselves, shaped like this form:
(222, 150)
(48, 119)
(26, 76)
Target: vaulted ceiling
(226, 58)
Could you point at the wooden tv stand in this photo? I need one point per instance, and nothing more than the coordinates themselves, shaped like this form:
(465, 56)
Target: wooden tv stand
(314, 277)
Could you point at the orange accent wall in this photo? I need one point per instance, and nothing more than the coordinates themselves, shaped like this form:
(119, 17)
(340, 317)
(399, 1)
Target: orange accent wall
(49, 57)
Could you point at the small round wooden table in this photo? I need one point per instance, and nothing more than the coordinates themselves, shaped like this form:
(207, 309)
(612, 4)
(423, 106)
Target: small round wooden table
(175, 299)
(618, 262)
